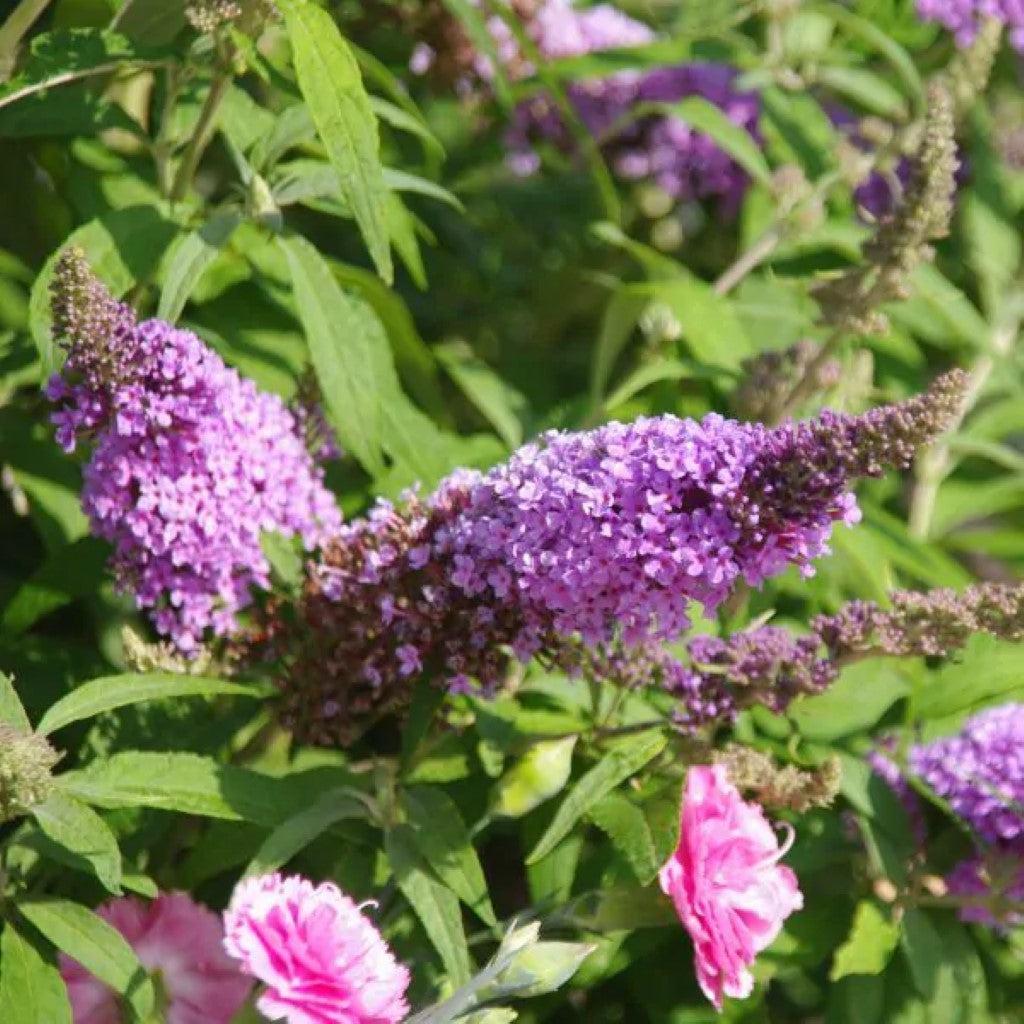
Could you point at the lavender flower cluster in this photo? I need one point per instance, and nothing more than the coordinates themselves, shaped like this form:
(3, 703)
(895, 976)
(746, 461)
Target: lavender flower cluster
(965, 18)
(599, 538)
(189, 463)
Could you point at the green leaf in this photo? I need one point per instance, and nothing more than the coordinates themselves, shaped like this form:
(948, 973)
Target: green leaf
(190, 784)
(875, 36)
(712, 121)
(623, 908)
(922, 946)
(192, 254)
(349, 371)
(31, 988)
(298, 831)
(402, 232)
(56, 58)
(951, 312)
(501, 404)
(435, 905)
(987, 671)
(74, 571)
(11, 710)
(618, 321)
(350, 354)
(870, 944)
(709, 322)
(440, 834)
(624, 822)
(332, 87)
(292, 127)
(123, 248)
(867, 89)
(616, 766)
(110, 692)
(96, 945)
(80, 830)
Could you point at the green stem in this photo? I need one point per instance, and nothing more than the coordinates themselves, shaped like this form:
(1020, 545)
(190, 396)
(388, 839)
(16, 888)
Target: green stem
(204, 130)
(936, 462)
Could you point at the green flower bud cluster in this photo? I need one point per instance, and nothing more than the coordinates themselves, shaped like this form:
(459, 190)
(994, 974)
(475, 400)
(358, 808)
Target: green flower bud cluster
(26, 762)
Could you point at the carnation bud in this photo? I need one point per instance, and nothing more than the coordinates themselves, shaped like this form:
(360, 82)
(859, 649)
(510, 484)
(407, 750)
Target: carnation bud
(26, 761)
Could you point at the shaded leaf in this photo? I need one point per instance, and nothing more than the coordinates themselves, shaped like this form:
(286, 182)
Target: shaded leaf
(435, 905)
(443, 839)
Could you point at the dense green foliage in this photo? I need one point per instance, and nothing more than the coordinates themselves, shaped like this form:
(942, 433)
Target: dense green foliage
(301, 200)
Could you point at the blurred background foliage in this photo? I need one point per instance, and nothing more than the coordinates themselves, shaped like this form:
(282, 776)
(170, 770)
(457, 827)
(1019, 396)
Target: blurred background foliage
(565, 298)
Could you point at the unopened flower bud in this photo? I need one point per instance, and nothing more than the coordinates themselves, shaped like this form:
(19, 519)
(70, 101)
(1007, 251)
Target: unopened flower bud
(541, 774)
(26, 761)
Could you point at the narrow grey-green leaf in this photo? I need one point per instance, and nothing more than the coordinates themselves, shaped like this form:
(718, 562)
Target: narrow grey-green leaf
(298, 831)
(11, 710)
(97, 946)
(110, 692)
(80, 830)
(192, 254)
(616, 766)
(31, 988)
(332, 87)
(441, 835)
(435, 905)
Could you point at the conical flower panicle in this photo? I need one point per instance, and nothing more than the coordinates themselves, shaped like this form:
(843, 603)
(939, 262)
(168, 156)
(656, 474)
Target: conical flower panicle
(189, 463)
(600, 539)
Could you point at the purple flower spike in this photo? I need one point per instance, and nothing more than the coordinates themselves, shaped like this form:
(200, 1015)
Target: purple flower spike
(189, 463)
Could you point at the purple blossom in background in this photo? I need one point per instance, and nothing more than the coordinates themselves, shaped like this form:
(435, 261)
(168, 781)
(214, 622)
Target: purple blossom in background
(980, 773)
(964, 18)
(638, 144)
(989, 883)
(189, 462)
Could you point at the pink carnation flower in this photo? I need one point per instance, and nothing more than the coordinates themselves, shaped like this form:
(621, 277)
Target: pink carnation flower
(730, 890)
(179, 940)
(321, 958)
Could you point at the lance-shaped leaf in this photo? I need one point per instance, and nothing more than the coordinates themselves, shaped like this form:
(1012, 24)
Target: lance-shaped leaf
(80, 831)
(332, 87)
(31, 988)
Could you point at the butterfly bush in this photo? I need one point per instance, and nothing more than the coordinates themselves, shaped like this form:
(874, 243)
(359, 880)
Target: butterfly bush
(619, 110)
(321, 959)
(991, 890)
(189, 464)
(599, 536)
(965, 18)
(980, 773)
(176, 940)
(725, 880)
